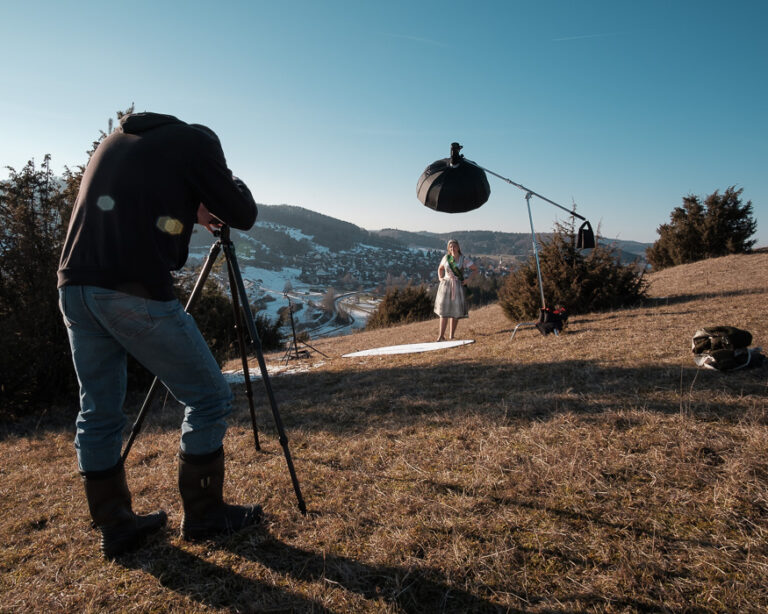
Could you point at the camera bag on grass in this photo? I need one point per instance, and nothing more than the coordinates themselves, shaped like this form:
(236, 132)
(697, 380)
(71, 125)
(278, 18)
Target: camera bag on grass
(724, 348)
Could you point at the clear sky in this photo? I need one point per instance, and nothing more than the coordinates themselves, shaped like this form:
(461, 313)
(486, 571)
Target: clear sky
(622, 107)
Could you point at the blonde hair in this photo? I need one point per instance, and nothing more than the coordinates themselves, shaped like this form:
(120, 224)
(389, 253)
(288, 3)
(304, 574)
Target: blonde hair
(447, 247)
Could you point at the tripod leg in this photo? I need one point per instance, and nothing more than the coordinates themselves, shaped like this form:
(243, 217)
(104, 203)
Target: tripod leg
(140, 418)
(196, 291)
(313, 348)
(229, 253)
(243, 354)
(293, 329)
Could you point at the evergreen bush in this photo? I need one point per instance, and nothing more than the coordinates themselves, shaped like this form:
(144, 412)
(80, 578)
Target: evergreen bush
(719, 226)
(35, 362)
(402, 306)
(580, 281)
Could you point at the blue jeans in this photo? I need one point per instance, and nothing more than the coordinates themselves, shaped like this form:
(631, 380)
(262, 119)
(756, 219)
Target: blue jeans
(104, 326)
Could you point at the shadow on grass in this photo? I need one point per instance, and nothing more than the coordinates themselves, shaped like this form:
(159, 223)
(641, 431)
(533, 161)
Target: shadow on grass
(409, 589)
(212, 585)
(687, 298)
(215, 586)
(403, 396)
(343, 401)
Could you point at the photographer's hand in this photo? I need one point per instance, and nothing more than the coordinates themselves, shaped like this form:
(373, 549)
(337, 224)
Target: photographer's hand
(207, 219)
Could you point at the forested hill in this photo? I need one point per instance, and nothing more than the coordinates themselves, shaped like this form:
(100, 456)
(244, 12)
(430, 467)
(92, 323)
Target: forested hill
(485, 242)
(491, 243)
(288, 229)
(327, 231)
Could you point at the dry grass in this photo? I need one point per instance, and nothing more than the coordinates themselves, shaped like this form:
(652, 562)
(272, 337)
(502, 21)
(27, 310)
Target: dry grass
(594, 472)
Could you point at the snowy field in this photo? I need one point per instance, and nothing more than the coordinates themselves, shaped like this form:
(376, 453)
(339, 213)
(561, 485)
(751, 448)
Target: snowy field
(270, 291)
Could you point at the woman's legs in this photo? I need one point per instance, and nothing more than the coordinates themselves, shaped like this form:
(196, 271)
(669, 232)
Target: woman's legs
(452, 329)
(443, 323)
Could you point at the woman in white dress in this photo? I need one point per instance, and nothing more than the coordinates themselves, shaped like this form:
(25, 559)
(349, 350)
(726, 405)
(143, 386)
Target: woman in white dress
(451, 300)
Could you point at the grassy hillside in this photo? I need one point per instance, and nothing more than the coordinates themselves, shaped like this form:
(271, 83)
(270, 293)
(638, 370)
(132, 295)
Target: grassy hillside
(598, 471)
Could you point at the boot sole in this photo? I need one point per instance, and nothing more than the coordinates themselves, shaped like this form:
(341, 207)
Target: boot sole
(112, 546)
(202, 532)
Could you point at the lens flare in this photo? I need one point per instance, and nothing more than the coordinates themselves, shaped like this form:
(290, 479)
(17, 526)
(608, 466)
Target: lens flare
(105, 203)
(170, 225)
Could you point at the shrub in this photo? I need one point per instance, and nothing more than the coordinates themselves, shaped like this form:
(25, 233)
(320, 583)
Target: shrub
(482, 290)
(35, 362)
(719, 226)
(401, 306)
(581, 283)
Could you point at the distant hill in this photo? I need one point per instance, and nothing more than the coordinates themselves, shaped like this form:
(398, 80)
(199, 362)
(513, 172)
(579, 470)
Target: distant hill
(327, 231)
(491, 243)
(295, 231)
(286, 228)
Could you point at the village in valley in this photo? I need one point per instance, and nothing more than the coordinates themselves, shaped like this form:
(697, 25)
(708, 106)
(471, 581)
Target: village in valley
(331, 291)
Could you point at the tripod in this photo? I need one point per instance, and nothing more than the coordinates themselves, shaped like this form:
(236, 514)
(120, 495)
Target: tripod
(292, 353)
(242, 313)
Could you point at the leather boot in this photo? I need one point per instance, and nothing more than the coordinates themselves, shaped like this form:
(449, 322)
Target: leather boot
(109, 502)
(201, 483)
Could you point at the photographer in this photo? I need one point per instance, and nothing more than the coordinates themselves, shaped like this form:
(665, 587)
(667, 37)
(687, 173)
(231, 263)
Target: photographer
(145, 187)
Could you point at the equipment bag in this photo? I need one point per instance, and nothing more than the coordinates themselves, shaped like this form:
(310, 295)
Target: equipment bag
(723, 348)
(552, 320)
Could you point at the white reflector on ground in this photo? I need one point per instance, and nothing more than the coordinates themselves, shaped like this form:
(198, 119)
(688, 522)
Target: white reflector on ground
(237, 376)
(410, 348)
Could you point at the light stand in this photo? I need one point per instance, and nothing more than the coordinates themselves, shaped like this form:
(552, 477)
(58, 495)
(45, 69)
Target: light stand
(292, 353)
(586, 238)
(242, 313)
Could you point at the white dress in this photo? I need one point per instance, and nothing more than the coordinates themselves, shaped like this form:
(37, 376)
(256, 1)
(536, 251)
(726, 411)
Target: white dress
(451, 300)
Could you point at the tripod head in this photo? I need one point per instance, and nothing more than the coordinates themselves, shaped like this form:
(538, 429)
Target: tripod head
(222, 233)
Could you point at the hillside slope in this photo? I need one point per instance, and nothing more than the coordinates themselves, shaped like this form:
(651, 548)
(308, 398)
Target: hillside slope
(599, 471)
(730, 290)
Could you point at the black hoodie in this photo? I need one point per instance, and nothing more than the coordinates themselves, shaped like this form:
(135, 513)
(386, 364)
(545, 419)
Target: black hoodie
(138, 202)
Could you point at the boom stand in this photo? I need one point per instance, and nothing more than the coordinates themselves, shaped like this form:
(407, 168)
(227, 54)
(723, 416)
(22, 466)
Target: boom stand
(528, 194)
(292, 353)
(538, 269)
(242, 313)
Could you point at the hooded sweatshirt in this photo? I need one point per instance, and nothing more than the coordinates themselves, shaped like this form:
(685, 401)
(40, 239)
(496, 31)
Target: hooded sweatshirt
(138, 201)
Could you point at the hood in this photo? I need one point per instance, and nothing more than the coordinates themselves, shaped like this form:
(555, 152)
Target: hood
(136, 123)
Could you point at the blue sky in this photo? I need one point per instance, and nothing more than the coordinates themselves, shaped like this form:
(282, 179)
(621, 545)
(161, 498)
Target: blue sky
(338, 106)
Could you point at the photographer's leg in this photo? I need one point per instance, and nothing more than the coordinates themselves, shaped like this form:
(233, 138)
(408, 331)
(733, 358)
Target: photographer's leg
(177, 353)
(100, 364)
(109, 502)
(201, 484)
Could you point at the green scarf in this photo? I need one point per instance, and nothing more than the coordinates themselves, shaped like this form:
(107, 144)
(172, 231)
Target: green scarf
(456, 270)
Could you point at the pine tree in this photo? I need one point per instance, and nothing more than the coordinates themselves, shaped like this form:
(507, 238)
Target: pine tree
(718, 227)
